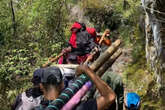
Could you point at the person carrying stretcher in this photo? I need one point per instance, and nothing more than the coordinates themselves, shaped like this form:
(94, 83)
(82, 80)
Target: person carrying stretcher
(104, 39)
(52, 85)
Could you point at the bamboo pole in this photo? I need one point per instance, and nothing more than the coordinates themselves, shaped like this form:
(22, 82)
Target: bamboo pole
(108, 63)
(105, 56)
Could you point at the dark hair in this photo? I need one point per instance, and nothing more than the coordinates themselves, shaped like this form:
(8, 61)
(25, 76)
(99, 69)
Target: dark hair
(98, 29)
(132, 107)
(72, 58)
(83, 26)
(37, 76)
(51, 82)
(36, 80)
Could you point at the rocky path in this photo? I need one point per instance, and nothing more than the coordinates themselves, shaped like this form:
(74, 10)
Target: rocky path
(122, 61)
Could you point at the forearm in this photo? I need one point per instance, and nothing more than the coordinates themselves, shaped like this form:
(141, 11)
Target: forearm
(102, 38)
(107, 95)
(103, 88)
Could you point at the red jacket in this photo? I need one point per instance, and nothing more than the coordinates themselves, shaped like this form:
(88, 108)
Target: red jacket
(91, 31)
(82, 40)
(72, 40)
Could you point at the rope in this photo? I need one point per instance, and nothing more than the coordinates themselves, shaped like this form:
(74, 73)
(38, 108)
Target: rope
(157, 11)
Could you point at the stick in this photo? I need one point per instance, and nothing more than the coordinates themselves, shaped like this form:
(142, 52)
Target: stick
(49, 62)
(72, 66)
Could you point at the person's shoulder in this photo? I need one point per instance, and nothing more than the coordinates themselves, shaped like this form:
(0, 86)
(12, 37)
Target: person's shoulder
(30, 102)
(112, 75)
(91, 104)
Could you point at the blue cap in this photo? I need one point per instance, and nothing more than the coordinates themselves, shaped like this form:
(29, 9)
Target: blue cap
(132, 101)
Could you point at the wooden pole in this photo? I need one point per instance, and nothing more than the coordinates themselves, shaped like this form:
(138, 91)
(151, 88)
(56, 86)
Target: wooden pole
(108, 63)
(103, 67)
(100, 61)
(49, 62)
(73, 66)
(105, 56)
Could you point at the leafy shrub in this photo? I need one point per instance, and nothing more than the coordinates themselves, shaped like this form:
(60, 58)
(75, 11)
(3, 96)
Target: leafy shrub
(41, 26)
(13, 72)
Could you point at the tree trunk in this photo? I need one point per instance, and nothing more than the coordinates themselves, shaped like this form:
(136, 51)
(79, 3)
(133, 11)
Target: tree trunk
(13, 19)
(155, 40)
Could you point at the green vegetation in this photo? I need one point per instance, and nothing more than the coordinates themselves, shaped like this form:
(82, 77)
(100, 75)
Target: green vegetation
(139, 79)
(39, 29)
(28, 37)
(127, 18)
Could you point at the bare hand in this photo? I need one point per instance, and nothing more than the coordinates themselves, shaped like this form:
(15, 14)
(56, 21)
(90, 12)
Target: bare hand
(69, 49)
(66, 50)
(81, 69)
(90, 57)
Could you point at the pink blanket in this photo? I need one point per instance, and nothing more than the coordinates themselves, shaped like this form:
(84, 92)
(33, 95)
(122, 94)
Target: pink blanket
(77, 97)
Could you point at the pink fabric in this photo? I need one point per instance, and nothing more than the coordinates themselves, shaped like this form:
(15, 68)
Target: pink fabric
(82, 59)
(77, 97)
(72, 40)
(60, 61)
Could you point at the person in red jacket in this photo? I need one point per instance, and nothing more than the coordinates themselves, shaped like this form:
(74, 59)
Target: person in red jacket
(81, 42)
(92, 32)
(74, 29)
